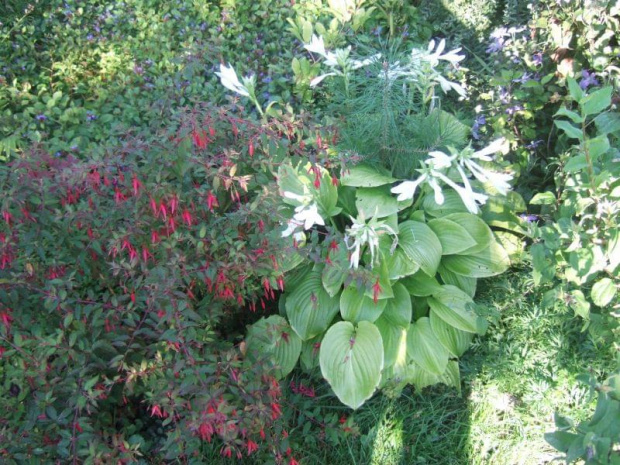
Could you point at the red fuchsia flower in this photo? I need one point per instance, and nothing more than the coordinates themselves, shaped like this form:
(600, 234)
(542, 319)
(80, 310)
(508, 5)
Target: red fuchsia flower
(154, 237)
(137, 185)
(319, 141)
(200, 139)
(173, 203)
(261, 225)
(234, 129)
(262, 434)
(227, 451)
(205, 431)
(211, 131)
(334, 181)
(78, 427)
(376, 290)
(118, 196)
(275, 411)
(187, 217)
(154, 207)
(146, 254)
(156, 411)
(251, 149)
(211, 201)
(252, 446)
(280, 281)
(6, 318)
(292, 461)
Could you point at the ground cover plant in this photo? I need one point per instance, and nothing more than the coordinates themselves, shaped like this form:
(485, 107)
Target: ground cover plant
(299, 231)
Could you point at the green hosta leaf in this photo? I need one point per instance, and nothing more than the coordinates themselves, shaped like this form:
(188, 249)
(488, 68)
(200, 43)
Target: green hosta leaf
(603, 292)
(394, 342)
(613, 251)
(489, 262)
(454, 238)
(570, 130)
(455, 307)
(424, 348)
(452, 376)
(400, 265)
(365, 176)
(467, 285)
(290, 180)
(421, 285)
(398, 309)
(453, 339)
(296, 277)
(452, 204)
(309, 307)
(596, 102)
(274, 339)
(382, 274)
(355, 306)
(336, 271)
(378, 202)
(477, 229)
(327, 195)
(351, 360)
(421, 245)
(309, 357)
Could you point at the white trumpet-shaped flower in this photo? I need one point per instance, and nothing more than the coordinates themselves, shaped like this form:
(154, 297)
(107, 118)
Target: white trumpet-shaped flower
(306, 215)
(361, 233)
(433, 57)
(228, 78)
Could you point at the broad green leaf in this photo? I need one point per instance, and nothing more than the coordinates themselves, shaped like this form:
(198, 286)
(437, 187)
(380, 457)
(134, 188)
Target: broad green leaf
(596, 102)
(453, 339)
(380, 276)
(273, 339)
(608, 123)
(335, 270)
(576, 92)
(570, 130)
(576, 163)
(400, 265)
(398, 309)
(464, 283)
(421, 378)
(613, 251)
(326, 195)
(394, 342)
(452, 204)
(603, 292)
(579, 304)
(296, 277)
(421, 245)
(289, 180)
(454, 238)
(452, 376)
(544, 198)
(512, 244)
(421, 284)
(309, 357)
(309, 307)
(365, 176)
(351, 360)
(424, 348)
(355, 306)
(455, 307)
(476, 228)
(490, 262)
(378, 202)
(575, 117)
(597, 146)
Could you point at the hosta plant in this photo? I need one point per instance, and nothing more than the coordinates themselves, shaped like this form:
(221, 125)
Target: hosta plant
(380, 292)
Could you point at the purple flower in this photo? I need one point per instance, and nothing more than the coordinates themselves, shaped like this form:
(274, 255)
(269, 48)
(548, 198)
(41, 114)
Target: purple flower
(267, 80)
(496, 45)
(90, 116)
(512, 110)
(528, 217)
(41, 117)
(504, 95)
(532, 145)
(478, 122)
(523, 79)
(588, 79)
(537, 59)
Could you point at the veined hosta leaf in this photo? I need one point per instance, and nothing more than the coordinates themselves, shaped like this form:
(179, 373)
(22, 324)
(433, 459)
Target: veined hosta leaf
(365, 176)
(309, 357)
(603, 292)
(454, 238)
(290, 180)
(489, 262)
(394, 342)
(296, 277)
(377, 202)
(476, 228)
(398, 309)
(421, 378)
(455, 307)
(351, 360)
(467, 285)
(424, 348)
(355, 306)
(452, 204)
(419, 307)
(421, 245)
(453, 339)
(309, 307)
(400, 265)
(336, 270)
(420, 284)
(289, 257)
(273, 339)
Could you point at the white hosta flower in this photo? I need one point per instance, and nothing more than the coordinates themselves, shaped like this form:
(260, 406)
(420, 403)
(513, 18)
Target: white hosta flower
(229, 79)
(361, 233)
(406, 189)
(317, 80)
(316, 45)
(356, 64)
(446, 86)
(470, 198)
(433, 57)
(308, 215)
(494, 147)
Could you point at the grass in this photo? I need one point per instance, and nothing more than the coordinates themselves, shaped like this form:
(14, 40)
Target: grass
(514, 379)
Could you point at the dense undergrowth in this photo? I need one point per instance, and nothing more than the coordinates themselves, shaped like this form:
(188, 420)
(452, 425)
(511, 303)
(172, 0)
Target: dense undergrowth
(223, 224)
